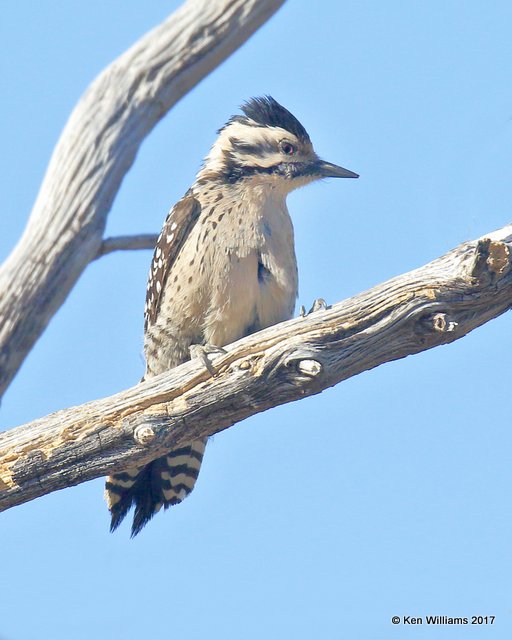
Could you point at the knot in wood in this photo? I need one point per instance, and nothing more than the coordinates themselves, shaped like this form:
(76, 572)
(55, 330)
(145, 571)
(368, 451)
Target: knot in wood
(442, 323)
(144, 435)
(311, 368)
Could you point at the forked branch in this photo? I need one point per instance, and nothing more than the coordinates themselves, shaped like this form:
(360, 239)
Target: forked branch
(95, 151)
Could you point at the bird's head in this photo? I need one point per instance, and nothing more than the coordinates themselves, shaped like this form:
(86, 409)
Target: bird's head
(266, 145)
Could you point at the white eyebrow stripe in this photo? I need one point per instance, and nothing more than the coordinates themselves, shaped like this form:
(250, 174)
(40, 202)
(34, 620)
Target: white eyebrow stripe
(253, 160)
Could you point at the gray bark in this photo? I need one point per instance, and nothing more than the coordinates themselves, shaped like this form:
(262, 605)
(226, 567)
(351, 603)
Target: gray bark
(127, 243)
(95, 151)
(427, 307)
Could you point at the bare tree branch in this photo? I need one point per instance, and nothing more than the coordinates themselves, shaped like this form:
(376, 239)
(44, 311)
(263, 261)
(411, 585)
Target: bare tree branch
(430, 306)
(97, 148)
(127, 243)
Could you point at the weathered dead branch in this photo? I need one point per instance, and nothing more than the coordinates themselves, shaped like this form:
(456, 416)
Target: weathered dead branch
(95, 151)
(424, 308)
(127, 243)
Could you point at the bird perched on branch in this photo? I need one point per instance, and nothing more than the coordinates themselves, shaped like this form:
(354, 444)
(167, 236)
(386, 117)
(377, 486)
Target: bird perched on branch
(224, 266)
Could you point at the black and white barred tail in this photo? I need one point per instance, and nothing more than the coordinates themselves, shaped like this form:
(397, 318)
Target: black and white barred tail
(163, 482)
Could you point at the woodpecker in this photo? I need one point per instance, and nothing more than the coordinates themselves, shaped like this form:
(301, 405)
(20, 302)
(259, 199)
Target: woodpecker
(224, 267)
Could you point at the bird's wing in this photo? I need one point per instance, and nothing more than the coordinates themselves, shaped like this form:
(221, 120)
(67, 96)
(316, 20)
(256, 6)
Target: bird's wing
(177, 226)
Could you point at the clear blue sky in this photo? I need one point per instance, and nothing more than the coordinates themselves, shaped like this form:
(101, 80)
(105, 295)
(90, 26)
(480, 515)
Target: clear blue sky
(390, 494)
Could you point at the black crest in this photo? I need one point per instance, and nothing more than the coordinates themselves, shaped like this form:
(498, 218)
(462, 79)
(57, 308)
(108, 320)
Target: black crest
(267, 112)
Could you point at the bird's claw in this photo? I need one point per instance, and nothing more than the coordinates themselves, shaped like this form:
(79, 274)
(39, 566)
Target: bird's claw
(202, 351)
(318, 305)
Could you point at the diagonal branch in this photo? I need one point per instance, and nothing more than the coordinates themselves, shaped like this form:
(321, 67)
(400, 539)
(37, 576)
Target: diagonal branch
(424, 308)
(95, 151)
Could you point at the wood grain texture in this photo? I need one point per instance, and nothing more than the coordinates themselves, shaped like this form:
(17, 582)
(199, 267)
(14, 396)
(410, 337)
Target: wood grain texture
(433, 305)
(95, 151)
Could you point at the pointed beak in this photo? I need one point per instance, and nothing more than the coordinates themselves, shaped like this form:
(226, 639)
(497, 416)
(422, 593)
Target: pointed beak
(329, 170)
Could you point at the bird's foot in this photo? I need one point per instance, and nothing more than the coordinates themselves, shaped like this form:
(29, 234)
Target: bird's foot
(318, 305)
(202, 351)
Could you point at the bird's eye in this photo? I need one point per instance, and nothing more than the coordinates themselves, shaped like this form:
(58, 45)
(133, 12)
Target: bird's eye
(287, 148)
